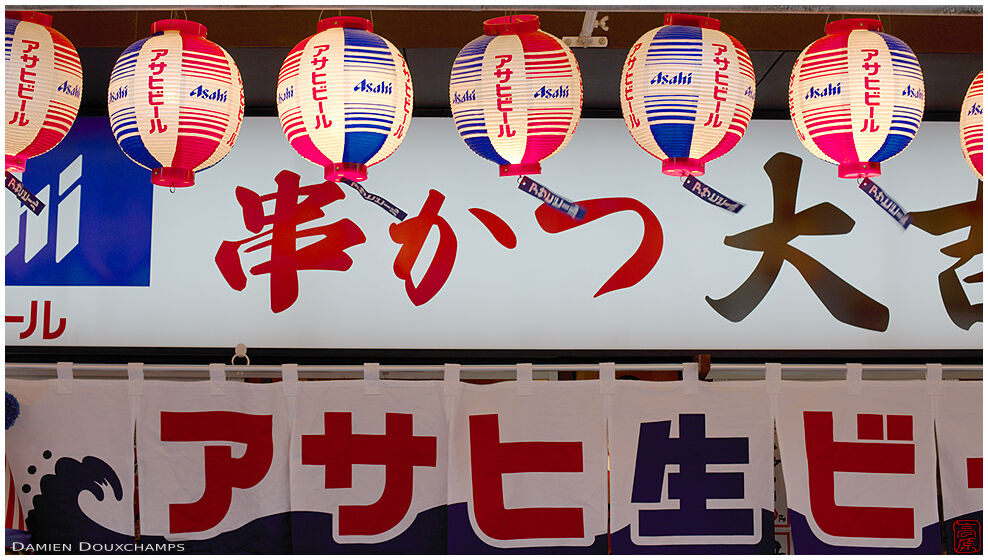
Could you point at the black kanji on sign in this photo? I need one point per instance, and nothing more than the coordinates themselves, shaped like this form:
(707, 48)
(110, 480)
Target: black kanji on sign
(845, 302)
(962, 312)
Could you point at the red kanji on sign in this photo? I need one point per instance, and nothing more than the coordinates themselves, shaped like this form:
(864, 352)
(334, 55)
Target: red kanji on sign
(490, 458)
(339, 449)
(411, 235)
(223, 473)
(640, 263)
(286, 260)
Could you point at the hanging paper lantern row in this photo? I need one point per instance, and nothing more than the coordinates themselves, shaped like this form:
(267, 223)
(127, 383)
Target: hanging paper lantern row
(856, 97)
(972, 127)
(687, 93)
(176, 102)
(43, 87)
(345, 98)
(516, 94)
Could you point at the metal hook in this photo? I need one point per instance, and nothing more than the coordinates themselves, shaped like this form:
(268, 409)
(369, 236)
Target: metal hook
(239, 351)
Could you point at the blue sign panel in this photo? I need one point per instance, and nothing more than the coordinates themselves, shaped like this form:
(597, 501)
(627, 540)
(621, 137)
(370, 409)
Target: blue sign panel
(95, 228)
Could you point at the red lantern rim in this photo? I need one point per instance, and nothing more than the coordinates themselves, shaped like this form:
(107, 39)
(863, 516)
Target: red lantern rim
(346, 170)
(682, 167)
(512, 169)
(346, 22)
(14, 164)
(173, 177)
(849, 25)
(859, 169)
(183, 26)
(32, 17)
(693, 21)
(512, 25)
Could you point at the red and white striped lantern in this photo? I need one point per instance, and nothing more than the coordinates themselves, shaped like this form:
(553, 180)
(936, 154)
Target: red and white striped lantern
(972, 127)
(856, 97)
(516, 94)
(43, 87)
(176, 102)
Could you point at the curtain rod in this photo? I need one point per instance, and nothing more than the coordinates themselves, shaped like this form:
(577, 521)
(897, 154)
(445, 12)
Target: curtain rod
(499, 372)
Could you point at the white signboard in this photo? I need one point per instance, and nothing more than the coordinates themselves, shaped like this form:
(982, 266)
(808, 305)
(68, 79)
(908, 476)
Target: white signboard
(113, 261)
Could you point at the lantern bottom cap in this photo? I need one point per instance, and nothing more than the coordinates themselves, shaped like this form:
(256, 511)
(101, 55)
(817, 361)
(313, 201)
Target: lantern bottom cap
(346, 170)
(681, 167)
(173, 177)
(513, 169)
(14, 164)
(859, 169)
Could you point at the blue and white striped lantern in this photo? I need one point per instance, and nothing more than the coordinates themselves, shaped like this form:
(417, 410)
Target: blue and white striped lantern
(176, 102)
(345, 98)
(516, 93)
(856, 96)
(687, 93)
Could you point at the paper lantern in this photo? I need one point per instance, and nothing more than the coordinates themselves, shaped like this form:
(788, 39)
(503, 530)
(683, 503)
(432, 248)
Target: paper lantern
(856, 97)
(687, 93)
(176, 102)
(345, 98)
(516, 94)
(43, 87)
(972, 127)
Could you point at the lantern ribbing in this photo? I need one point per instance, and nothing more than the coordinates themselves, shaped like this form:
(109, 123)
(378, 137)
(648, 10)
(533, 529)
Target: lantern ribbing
(176, 102)
(345, 98)
(687, 93)
(972, 126)
(515, 94)
(43, 87)
(856, 96)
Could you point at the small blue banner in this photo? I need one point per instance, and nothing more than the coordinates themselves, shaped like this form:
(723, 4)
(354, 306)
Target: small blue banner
(551, 199)
(379, 200)
(95, 226)
(709, 195)
(15, 186)
(885, 201)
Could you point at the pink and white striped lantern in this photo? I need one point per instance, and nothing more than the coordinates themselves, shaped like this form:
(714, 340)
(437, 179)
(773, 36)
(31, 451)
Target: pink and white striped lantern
(972, 127)
(43, 87)
(345, 98)
(687, 93)
(516, 94)
(176, 102)
(856, 97)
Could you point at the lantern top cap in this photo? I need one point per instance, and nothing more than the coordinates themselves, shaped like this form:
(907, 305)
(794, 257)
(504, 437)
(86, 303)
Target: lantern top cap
(181, 25)
(693, 21)
(346, 22)
(848, 25)
(512, 25)
(33, 17)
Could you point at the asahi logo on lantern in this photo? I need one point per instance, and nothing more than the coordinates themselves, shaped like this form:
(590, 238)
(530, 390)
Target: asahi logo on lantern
(365, 86)
(680, 79)
(816, 93)
(289, 93)
(910, 91)
(74, 91)
(203, 93)
(975, 109)
(117, 95)
(749, 92)
(560, 92)
(468, 95)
